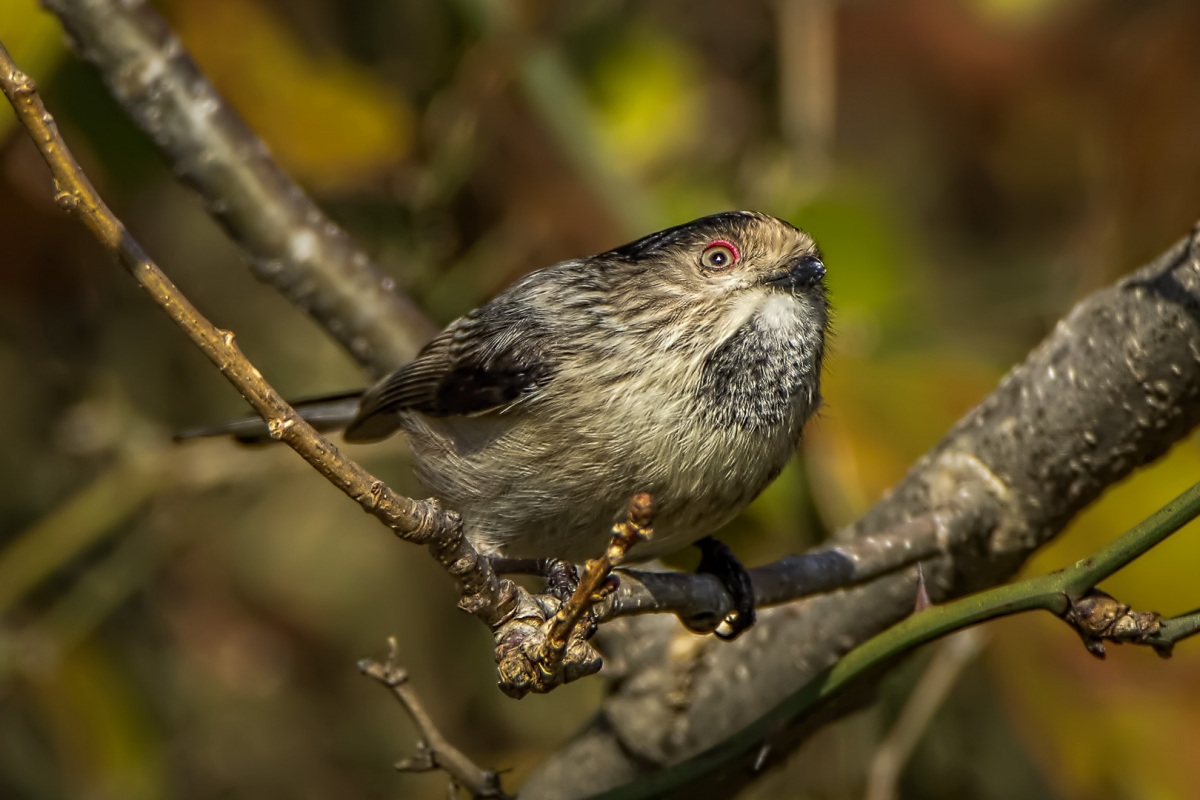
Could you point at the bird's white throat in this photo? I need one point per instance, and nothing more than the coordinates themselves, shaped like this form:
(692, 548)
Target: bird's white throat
(778, 311)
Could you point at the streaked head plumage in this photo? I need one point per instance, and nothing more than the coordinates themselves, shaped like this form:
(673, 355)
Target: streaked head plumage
(729, 252)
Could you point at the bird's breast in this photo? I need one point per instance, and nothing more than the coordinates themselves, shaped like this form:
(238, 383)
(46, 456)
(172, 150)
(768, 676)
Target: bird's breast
(766, 374)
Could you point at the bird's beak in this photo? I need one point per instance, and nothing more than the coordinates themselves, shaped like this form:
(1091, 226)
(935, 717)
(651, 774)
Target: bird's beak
(804, 273)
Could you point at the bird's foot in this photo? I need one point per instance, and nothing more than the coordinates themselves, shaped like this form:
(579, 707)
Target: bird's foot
(561, 576)
(718, 560)
(562, 579)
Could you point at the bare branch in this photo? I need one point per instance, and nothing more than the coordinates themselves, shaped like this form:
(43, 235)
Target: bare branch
(434, 751)
(539, 654)
(1174, 630)
(595, 585)
(823, 569)
(485, 595)
(290, 243)
(940, 676)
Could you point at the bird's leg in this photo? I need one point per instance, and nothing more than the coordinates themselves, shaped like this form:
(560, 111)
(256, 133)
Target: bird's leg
(561, 576)
(718, 560)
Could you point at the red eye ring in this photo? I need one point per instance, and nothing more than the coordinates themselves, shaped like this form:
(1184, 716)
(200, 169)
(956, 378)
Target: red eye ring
(719, 254)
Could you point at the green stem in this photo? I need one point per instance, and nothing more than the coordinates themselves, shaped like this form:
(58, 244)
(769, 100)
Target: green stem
(1051, 592)
(1176, 629)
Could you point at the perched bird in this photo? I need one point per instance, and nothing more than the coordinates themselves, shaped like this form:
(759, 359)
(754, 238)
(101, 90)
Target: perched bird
(683, 364)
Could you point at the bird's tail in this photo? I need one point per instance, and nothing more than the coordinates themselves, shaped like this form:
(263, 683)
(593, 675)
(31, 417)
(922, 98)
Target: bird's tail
(328, 413)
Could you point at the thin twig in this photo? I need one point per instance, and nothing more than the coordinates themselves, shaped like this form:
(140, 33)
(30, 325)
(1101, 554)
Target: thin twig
(545, 644)
(597, 582)
(290, 243)
(1174, 630)
(423, 522)
(944, 669)
(434, 751)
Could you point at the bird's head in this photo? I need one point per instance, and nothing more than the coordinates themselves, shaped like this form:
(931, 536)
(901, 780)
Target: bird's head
(735, 258)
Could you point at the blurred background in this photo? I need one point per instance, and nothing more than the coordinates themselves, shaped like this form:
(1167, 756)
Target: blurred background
(183, 621)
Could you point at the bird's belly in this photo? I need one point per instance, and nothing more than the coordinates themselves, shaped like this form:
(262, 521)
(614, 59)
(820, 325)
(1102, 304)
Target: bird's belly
(554, 489)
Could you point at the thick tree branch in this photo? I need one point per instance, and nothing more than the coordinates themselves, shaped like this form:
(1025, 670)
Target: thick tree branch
(1111, 389)
(823, 569)
(290, 243)
(1068, 593)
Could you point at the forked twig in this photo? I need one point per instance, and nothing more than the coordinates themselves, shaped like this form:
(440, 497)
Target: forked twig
(543, 647)
(434, 751)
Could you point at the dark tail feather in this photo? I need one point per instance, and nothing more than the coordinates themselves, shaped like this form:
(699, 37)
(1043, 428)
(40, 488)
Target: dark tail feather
(329, 413)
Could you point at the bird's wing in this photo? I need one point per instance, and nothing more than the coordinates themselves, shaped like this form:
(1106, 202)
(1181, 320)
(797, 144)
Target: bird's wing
(487, 360)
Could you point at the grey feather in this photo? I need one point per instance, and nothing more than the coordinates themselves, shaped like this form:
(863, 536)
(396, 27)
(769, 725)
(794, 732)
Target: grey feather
(326, 413)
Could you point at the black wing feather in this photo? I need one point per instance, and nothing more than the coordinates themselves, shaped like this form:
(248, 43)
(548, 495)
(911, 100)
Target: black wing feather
(483, 361)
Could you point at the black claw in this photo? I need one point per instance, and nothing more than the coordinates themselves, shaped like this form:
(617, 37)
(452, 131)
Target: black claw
(562, 579)
(718, 560)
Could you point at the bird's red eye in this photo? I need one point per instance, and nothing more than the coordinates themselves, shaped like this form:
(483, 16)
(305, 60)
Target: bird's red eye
(719, 255)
